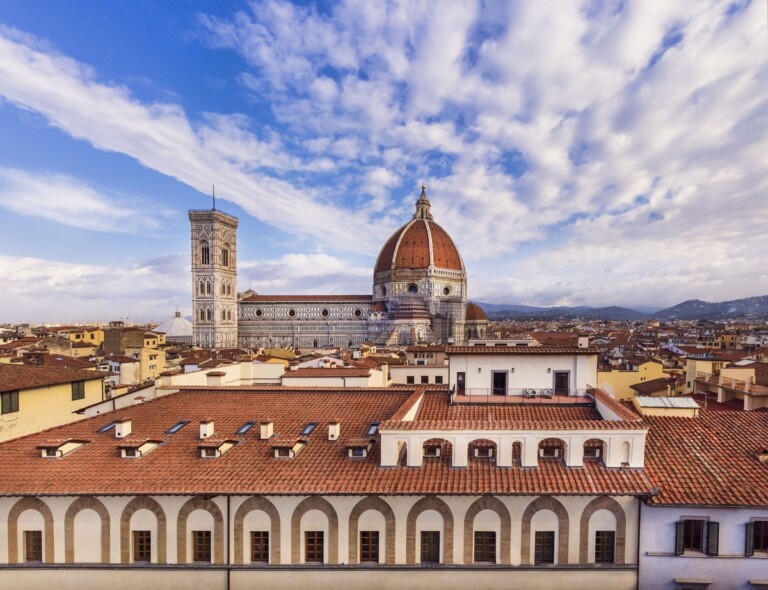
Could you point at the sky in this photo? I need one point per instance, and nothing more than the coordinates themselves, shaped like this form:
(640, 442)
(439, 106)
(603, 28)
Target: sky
(579, 153)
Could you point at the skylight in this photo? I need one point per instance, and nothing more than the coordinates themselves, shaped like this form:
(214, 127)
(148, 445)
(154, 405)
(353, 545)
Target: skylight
(309, 428)
(176, 427)
(245, 428)
(107, 427)
(372, 429)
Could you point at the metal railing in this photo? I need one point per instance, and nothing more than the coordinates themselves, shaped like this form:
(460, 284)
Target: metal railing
(524, 395)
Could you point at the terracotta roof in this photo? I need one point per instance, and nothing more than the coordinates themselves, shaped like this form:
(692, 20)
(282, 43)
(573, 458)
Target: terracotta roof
(120, 359)
(313, 372)
(436, 413)
(307, 298)
(419, 244)
(13, 377)
(652, 386)
(475, 313)
(175, 467)
(710, 460)
(57, 360)
(425, 348)
(520, 350)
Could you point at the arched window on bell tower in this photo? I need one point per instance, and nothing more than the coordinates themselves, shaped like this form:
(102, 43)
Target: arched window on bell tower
(225, 255)
(205, 253)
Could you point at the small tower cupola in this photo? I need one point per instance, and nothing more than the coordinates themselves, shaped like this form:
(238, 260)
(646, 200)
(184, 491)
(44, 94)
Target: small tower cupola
(423, 205)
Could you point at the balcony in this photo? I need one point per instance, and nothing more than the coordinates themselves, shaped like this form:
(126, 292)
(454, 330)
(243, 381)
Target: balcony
(523, 396)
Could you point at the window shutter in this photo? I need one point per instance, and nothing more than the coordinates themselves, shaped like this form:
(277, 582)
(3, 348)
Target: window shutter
(713, 538)
(679, 537)
(749, 545)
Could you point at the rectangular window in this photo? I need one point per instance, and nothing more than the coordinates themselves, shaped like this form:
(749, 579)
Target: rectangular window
(761, 535)
(33, 545)
(201, 546)
(260, 546)
(78, 390)
(372, 429)
(439, 379)
(605, 542)
(485, 546)
(425, 379)
(544, 547)
(410, 380)
(313, 546)
(430, 546)
(142, 546)
(697, 534)
(9, 402)
(369, 546)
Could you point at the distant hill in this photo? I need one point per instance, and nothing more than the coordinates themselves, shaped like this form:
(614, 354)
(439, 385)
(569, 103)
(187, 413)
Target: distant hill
(523, 312)
(696, 309)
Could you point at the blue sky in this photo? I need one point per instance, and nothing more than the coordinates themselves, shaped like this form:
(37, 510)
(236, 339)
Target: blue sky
(592, 153)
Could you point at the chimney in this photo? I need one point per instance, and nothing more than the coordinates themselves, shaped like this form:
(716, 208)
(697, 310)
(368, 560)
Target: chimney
(215, 378)
(206, 428)
(122, 427)
(267, 429)
(334, 430)
(583, 341)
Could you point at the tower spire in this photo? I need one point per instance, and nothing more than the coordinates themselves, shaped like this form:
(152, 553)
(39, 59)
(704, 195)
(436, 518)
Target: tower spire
(423, 205)
(213, 194)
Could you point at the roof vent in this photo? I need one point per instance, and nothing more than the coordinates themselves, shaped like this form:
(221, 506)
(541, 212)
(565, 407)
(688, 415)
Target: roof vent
(267, 429)
(206, 428)
(122, 428)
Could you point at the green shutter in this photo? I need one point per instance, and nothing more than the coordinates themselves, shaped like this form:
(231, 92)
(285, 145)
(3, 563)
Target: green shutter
(679, 537)
(713, 538)
(749, 545)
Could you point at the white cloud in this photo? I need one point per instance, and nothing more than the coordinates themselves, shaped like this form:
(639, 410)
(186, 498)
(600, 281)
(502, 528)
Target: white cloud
(593, 154)
(70, 201)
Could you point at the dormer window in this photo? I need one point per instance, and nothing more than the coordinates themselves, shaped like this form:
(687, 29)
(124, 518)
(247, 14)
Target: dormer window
(212, 449)
(134, 449)
(58, 449)
(484, 452)
(592, 452)
(359, 448)
(432, 450)
(288, 449)
(549, 452)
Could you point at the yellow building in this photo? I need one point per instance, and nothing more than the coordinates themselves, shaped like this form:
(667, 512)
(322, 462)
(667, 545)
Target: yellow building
(33, 398)
(91, 335)
(152, 361)
(619, 382)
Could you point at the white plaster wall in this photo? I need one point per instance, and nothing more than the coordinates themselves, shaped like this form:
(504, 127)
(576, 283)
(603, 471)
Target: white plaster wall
(141, 520)
(371, 520)
(530, 370)
(87, 537)
(29, 520)
(602, 520)
(731, 570)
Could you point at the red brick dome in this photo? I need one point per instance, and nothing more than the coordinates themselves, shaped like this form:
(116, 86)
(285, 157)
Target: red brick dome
(419, 244)
(475, 313)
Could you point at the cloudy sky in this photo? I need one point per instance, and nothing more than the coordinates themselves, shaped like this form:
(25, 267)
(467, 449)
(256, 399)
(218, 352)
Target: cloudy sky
(579, 153)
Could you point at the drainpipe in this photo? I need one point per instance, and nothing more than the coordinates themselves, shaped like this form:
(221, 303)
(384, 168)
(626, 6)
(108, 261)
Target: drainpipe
(228, 562)
(639, 517)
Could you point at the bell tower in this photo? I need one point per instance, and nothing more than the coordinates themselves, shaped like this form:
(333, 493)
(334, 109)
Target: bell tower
(214, 278)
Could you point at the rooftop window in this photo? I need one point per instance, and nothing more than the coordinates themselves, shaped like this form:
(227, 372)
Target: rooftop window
(309, 428)
(372, 429)
(176, 427)
(107, 427)
(245, 428)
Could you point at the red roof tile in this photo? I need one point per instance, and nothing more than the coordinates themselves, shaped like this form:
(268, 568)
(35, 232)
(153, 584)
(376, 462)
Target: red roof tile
(323, 467)
(13, 377)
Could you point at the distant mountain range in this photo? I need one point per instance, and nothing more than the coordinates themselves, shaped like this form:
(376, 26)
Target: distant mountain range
(693, 309)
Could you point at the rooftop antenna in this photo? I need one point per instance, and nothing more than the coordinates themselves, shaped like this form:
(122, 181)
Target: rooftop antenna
(213, 193)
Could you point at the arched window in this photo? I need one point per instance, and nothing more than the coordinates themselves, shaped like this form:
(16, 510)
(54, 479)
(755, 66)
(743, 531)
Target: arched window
(208, 314)
(223, 315)
(208, 287)
(205, 253)
(225, 255)
(202, 315)
(223, 290)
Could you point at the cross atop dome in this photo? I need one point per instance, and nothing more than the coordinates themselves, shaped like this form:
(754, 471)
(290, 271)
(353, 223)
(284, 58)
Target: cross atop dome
(423, 205)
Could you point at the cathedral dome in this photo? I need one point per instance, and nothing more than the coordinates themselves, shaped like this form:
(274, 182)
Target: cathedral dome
(475, 313)
(419, 244)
